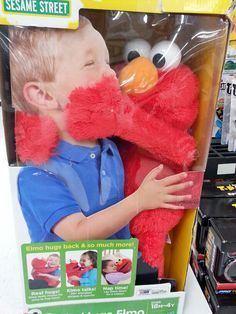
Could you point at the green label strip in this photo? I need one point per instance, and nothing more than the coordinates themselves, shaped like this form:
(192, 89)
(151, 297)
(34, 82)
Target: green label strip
(160, 306)
(40, 7)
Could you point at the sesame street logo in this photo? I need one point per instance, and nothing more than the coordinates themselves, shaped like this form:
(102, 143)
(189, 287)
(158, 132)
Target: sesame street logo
(43, 7)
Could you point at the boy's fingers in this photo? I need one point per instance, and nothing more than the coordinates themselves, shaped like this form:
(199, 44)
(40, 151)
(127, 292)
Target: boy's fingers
(174, 178)
(178, 187)
(171, 206)
(153, 173)
(177, 198)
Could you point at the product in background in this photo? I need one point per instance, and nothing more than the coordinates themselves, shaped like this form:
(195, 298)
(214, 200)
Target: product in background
(221, 124)
(219, 303)
(217, 127)
(199, 270)
(227, 85)
(220, 253)
(232, 126)
(218, 201)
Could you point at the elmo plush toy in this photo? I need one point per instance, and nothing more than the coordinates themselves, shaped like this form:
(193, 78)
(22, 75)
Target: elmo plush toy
(40, 268)
(124, 265)
(74, 269)
(168, 93)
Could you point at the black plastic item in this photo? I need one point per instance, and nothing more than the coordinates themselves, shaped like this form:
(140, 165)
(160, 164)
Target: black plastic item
(219, 189)
(199, 270)
(145, 275)
(225, 229)
(219, 303)
(221, 253)
(219, 154)
(212, 208)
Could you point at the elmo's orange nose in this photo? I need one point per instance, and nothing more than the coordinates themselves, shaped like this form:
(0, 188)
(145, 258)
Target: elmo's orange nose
(139, 76)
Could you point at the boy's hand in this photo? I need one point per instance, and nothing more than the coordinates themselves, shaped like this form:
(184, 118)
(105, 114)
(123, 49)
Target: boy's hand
(154, 193)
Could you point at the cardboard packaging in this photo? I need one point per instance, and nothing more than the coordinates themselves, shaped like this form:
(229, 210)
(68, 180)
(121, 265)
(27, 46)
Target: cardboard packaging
(200, 30)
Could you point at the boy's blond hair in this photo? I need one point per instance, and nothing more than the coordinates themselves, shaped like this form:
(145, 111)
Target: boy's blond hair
(33, 57)
(54, 255)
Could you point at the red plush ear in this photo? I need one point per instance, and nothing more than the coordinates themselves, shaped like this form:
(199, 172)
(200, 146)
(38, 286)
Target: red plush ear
(36, 137)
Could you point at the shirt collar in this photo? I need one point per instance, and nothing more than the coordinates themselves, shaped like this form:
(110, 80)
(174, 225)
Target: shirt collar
(78, 153)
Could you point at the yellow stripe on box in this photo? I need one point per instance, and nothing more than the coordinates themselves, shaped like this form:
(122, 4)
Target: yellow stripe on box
(147, 6)
(197, 6)
(158, 6)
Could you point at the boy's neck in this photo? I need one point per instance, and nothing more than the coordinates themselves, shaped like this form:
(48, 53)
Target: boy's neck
(69, 139)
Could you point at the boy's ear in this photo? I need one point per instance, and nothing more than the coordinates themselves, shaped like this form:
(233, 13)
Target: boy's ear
(38, 96)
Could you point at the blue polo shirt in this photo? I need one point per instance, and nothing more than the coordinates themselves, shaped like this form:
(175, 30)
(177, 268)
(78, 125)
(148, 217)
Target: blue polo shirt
(95, 175)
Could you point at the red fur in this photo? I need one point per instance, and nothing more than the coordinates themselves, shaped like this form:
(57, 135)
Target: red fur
(74, 269)
(36, 137)
(173, 105)
(173, 99)
(40, 266)
(91, 112)
(124, 266)
(102, 111)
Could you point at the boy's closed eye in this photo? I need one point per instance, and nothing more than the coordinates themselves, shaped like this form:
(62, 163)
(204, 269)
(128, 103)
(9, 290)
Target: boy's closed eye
(89, 63)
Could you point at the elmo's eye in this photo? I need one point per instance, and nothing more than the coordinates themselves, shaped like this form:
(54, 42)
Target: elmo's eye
(165, 55)
(136, 48)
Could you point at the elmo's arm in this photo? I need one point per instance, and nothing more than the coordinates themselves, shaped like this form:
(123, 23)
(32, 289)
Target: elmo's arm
(168, 144)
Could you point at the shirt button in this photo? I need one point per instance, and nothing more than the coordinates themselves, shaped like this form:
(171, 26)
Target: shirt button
(103, 172)
(92, 155)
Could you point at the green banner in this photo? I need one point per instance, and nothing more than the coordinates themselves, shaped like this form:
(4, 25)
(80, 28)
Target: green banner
(42, 7)
(63, 271)
(154, 306)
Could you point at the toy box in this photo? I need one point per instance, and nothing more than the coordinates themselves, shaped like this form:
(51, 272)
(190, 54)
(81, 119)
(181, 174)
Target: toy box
(199, 270)
(220, 303)
(60, 92)
(217, 201)
(220, 253)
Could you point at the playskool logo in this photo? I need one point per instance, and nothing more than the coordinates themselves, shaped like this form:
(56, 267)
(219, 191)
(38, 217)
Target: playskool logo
(44, 7)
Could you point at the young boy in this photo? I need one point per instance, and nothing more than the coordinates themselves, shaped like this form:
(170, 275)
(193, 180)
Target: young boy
(46, 67)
